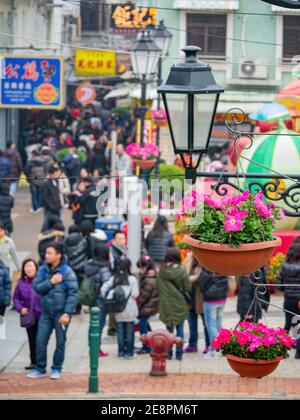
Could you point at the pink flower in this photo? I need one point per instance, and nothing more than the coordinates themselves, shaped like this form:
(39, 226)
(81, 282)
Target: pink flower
(233, 224)
(243, 214)
(261, 207)
(256, 343)
(212, 203)
(241, 198)
(269, 341)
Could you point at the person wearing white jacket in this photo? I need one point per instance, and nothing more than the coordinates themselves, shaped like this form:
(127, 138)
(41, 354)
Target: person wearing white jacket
(126, 319)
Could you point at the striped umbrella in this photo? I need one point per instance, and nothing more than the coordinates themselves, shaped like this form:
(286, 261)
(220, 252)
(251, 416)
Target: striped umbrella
(279, 152)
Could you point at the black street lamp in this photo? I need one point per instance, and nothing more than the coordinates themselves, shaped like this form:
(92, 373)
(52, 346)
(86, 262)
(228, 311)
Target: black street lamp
(163, 38)
(144, 59)
(191, 97)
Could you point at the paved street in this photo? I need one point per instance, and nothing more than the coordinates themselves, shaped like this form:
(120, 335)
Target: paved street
(120, 377)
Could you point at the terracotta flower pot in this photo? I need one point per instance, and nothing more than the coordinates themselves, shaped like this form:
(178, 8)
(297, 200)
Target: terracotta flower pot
(145, 164)
(249, 368)
(160, 122)
(224, 260)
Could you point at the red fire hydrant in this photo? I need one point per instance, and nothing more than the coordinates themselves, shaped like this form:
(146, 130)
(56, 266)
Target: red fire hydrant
(160, 342)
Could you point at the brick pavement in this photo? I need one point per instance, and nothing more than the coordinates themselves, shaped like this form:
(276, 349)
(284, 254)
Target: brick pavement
(142, 386)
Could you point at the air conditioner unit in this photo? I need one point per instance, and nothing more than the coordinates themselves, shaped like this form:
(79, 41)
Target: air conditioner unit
(253, 69)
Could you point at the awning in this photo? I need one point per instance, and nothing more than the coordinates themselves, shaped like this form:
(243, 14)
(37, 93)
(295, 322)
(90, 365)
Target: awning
(132, 91)
(206, 4)
(285, 11)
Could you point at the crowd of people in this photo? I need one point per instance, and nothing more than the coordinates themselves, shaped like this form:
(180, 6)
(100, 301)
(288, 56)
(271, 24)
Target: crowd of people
(78, 269)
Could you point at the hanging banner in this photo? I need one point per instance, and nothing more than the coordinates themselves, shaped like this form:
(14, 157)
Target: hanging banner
(32, 83)
(128, 18)
(95, 63)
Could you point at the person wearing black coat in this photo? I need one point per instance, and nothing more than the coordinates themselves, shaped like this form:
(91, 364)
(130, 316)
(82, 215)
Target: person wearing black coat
(249, 308)
(77, 254)
(6, 206)
(99, 269)
(289, 277)
(159, 240)
(51, 196)
(88, 203)
(215, 290)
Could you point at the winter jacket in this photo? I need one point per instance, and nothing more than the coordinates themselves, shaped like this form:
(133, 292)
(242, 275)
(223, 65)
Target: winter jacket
(76, 252)
(72, 165)
(5, 286)
(61, 298)
(148, 301)
(15, 163)
(117, 254)
(46, 238)
(214, 289)
(4, 167)
(157, 246)
(25, 297)
(6, 206)
(51, 196)
(173, 307)
(9, 256)
(246, 304)
(131, 311)
(194, 274)
(100, 272)
(289, 276)
(35, 172)
(88, 203)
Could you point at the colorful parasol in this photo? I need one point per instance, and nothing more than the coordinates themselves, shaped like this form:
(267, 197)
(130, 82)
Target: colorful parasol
(289, 96)
(271, 112)
(279, 152)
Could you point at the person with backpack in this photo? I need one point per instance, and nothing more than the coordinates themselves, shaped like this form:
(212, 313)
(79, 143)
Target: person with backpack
(51, 196)
(36, 173)
(174, 291)
(6, 206)
(28, 304)
(57, 284)
(120, 295)
(77, 254)
(148, 301)
(97, 273)
(159, 240)
(215, 290)
(72, 166)
(289, 277)
(249, 308)
(197, 306)
(16, 166)
(4, 167)
(5, 288)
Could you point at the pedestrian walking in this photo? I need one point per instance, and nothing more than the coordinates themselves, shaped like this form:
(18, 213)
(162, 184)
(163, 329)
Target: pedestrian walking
(8, 252)
(290, 278)
(6, 206)
(35, 172)
(55, 233)
(28, 304)
(127, 285)
(51, 197)
(173, 288)
(148, 301)
(57, 284)
(16, 167)
(215, 290)
(159, 240)
(197, 306)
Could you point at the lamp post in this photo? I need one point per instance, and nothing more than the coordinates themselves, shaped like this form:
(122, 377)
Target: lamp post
(191, 97)
(144, 59)
(163, 38)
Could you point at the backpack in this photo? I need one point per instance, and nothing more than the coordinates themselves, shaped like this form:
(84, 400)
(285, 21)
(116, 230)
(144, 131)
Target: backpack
(37, 175)
(118, 302)
(90, 290)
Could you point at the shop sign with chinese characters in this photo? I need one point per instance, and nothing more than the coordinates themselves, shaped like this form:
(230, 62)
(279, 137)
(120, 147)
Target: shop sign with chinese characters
(127, 18)
(90, 63)
(32, 82)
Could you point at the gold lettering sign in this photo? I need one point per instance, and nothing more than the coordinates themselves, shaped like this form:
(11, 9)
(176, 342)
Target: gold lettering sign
(131, 17)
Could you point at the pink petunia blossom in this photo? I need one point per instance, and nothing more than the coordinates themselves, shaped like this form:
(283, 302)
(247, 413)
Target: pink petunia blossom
(261, 207)
(233, 224)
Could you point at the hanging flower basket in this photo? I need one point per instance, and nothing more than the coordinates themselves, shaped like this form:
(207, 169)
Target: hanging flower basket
(228, 261)
(256, 369)
(160, 118)
(145, 164)
(143, 156)
(254, 350)
(233, 236)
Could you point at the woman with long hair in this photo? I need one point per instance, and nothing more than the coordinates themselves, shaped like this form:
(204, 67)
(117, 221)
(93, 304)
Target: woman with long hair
(159, 240)
(126, 319)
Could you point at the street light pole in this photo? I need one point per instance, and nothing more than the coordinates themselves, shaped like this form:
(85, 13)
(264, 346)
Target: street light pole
(143, 106)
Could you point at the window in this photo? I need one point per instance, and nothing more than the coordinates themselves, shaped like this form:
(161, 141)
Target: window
(207, 32)
(291, 36)
(90, 15)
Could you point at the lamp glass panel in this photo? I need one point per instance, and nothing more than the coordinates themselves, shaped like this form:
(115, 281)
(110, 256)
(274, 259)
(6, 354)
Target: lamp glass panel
(204, 106)
(178, 111)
